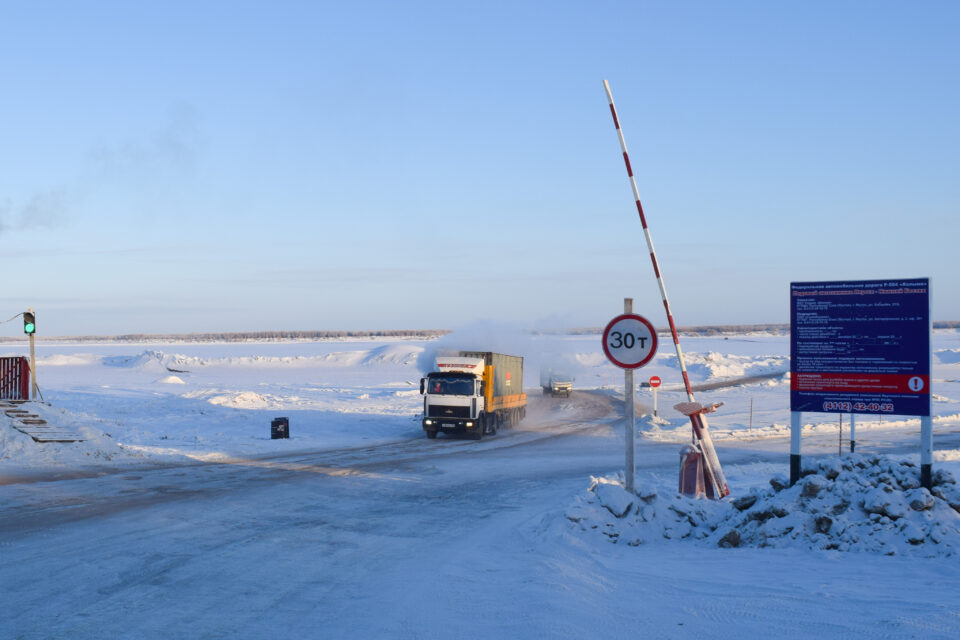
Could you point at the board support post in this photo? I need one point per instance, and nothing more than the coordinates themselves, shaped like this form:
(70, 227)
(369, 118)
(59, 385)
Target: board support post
(853, 432)
(795, 428)
(926, 451)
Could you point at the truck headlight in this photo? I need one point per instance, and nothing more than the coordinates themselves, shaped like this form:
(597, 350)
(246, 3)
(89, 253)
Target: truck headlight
(428, 422)
(469, 424)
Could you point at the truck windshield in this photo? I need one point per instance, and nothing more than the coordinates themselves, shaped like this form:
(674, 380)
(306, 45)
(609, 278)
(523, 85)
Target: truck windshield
(451, 386)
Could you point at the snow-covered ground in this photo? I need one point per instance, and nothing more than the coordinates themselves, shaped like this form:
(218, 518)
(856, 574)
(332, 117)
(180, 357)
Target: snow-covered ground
(178, 516)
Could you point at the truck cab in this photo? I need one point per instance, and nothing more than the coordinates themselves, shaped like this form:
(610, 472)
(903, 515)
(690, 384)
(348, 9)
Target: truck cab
(453, 397)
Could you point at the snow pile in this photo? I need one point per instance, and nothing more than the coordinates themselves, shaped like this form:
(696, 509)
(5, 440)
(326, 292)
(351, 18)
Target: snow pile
(859, 503)
(243, 400)
(400, 354)
(719, 365)
(948, 356)
(592, 359)
(68, 360)
(150, 360)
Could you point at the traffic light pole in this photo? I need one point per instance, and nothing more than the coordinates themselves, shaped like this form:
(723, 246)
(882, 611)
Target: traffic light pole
(30, 328)
(33, 370)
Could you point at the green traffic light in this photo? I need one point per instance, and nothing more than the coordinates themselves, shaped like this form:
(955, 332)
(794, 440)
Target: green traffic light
(29, 322)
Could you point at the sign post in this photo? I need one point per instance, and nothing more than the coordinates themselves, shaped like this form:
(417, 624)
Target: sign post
(629, 342)
(853, 432)
(861, 346)
(655, 382)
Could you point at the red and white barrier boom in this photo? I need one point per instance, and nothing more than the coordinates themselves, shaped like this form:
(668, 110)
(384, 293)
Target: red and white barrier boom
(696, 412)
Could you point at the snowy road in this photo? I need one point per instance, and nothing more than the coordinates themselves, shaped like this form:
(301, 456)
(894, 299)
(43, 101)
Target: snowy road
(423, 539)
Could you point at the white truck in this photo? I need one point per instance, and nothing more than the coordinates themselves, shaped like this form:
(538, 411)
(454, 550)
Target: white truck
(556, 383)
(473, 392)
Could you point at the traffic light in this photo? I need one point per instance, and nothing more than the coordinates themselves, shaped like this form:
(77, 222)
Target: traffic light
(29, 322)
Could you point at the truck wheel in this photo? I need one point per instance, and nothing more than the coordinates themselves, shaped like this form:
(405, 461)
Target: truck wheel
(478, 432)
(431, 433)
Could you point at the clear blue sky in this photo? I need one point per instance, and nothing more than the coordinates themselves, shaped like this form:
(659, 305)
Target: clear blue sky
(234, 166)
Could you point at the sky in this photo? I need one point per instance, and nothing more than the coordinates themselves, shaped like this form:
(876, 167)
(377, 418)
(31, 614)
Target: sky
(246, 166)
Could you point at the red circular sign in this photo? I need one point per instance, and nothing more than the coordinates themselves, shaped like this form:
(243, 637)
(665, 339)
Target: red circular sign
(655, 381)
(630, 341)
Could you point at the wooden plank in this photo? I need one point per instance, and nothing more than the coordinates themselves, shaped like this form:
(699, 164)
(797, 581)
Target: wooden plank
(50, 435)
(36, 427)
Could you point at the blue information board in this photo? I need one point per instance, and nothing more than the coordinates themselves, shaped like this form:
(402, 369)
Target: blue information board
(860, 347)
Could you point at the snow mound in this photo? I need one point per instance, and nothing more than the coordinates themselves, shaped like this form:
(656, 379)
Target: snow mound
(393, 354)
(171, 380)
(242, 400)
(591, 359)
(857, 503)
(948, 356)
(150, 360)
(719, 365)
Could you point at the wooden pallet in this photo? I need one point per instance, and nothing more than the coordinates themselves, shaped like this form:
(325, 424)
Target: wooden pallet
(33, 425)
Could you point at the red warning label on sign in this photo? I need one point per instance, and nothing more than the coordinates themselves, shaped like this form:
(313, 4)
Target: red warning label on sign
(860, 382)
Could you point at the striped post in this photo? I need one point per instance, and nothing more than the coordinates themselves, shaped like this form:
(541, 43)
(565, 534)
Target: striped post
(702, 435)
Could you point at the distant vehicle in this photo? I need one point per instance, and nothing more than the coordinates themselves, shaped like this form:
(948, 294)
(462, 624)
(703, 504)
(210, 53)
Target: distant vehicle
(556, 383)
(473, 392)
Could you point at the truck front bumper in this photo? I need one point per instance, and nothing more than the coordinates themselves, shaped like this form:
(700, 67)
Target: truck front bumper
(451, 425)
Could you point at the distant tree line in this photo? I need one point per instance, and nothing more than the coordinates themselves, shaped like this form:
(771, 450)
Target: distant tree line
(424, 334)
(245, 336)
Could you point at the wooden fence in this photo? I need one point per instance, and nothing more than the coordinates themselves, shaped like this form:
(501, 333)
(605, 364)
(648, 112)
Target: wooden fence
(14, 378)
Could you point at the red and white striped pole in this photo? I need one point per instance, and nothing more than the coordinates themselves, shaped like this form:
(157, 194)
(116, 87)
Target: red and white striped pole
(701, 431)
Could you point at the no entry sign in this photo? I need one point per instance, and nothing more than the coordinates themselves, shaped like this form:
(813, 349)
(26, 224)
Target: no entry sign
(655, 381)
(629, 341)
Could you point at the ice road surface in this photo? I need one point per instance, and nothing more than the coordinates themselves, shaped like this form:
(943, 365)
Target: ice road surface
(179, 517)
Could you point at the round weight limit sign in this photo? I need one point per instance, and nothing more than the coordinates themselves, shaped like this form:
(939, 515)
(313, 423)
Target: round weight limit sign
(629, 341)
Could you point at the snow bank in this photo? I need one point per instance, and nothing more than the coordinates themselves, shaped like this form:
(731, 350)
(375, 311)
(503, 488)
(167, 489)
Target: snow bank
(68, 360)
(948, 356)
(400, 354)
(869, 504)
(714, 365)
(243, 400)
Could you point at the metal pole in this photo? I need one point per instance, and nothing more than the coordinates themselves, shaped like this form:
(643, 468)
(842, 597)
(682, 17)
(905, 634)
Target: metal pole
(926, 422)
(853, 432)
(926, 451)
(840, 439)
(711, 461)
(655, 402)
(795, 428)
(33, 369)
(629, 422)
